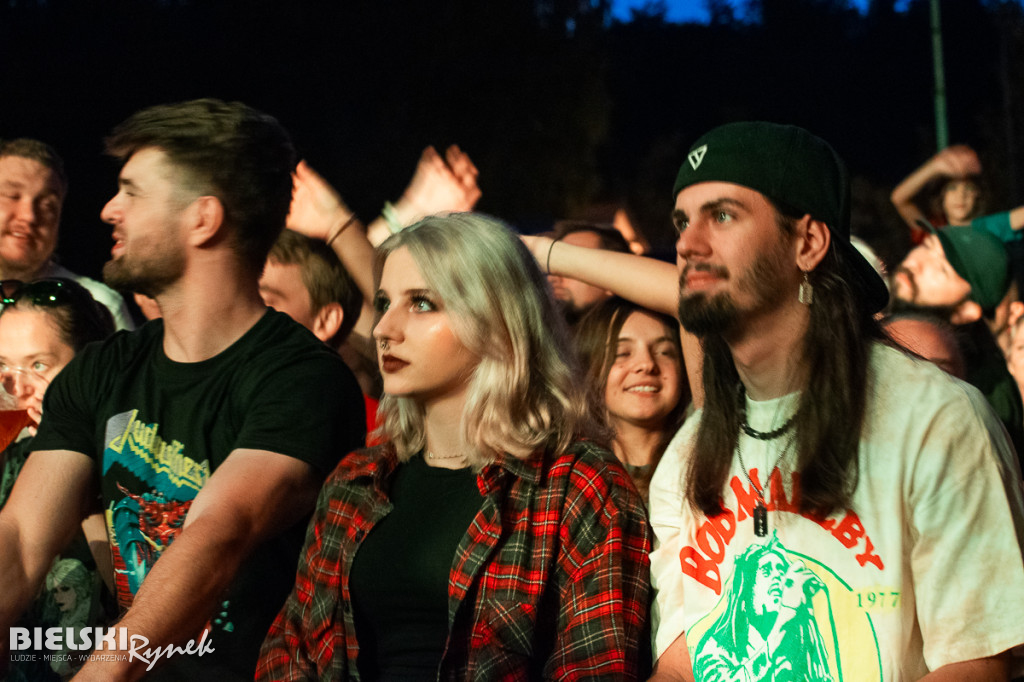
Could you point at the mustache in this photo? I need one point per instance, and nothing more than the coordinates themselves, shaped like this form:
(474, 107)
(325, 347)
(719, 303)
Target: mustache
(716, 270)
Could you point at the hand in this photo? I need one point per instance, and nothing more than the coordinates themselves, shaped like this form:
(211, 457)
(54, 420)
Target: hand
(441, 185)
(957, 161)
(35, 413)
(317, 209)
(798, 586)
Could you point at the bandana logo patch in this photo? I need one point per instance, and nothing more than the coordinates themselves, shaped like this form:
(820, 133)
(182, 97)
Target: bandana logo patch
(696, 156)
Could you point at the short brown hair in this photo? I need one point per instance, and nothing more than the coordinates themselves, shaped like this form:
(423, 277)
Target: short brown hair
(40, 152)
(323, 275)
(229, 150)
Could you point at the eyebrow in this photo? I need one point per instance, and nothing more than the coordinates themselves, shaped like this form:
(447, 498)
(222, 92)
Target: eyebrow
(678, 215)
(127, 183)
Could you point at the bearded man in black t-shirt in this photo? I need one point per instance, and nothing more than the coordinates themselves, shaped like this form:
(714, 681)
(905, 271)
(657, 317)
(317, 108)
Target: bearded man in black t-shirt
(207, 433)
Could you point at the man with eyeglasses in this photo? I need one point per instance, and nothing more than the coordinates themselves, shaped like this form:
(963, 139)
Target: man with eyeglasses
(32, 190)
(206, 433)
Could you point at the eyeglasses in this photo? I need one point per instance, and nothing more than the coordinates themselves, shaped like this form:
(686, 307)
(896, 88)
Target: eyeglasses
(42, 292)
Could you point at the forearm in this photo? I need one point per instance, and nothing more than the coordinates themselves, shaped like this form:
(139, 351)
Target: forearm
(903, 194)
(993, 669)
(19, 582)
(648, 282)
(356, 253)
(179, 593)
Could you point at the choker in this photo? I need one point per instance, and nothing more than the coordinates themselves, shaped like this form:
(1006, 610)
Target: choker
(754, 433)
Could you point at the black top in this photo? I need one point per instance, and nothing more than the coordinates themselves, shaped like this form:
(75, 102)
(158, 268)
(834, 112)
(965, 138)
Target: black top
(399, 578)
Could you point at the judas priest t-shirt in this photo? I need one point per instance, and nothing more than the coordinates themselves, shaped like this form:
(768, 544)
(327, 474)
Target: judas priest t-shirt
(158, 429)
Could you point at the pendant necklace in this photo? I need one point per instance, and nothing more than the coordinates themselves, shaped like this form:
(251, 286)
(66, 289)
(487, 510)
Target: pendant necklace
(760, 506)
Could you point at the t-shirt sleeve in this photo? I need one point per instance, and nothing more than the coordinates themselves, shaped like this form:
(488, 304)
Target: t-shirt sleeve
(69, 406)
(310, 407)
(998, 224)
(666, 513)
(967, 513)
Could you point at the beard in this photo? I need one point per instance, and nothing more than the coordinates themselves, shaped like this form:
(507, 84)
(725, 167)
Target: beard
(150, 278)
(701, 314)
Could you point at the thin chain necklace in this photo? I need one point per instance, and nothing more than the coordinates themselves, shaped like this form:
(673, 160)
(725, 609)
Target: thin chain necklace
(760, 506)
(431, 455)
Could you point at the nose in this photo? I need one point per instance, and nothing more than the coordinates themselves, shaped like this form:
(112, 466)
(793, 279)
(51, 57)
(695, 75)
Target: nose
(26, 211)
(18, 385)
(643, 362)
(692, 241)
(110, 211)
(389, 326)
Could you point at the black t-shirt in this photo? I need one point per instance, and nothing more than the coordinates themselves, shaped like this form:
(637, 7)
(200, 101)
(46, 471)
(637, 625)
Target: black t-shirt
(158, 429)
(399, 578)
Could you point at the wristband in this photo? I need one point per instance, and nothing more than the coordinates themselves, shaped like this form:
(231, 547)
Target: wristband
(391, 218)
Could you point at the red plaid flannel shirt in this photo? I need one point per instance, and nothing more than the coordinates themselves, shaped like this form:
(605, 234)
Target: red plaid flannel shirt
(550, 580)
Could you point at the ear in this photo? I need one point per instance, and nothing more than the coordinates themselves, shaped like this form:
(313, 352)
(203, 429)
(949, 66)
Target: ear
(966, 312)
(328, 321)
(813, 239)
(205, 218)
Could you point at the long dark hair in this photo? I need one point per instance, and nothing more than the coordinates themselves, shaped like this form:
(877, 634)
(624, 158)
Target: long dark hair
(832, 406)
(596, 338)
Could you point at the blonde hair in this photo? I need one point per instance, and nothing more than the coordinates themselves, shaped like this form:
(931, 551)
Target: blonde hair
(524, 393)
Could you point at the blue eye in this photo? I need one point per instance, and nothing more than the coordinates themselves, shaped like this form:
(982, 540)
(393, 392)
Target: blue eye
(381, 304)
(422, 304)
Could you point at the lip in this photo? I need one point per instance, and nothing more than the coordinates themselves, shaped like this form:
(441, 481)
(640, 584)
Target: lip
(390, 364)
(700, 279)
(651, 389)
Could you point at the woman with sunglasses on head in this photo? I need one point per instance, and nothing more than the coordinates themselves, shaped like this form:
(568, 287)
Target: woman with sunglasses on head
(43, 325)
(634, 373)
(482, 540)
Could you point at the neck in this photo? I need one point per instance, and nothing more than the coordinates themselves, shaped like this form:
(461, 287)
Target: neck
(207, 310)
(442, 424)
(10, 271)
(635, 444)
(768, 352)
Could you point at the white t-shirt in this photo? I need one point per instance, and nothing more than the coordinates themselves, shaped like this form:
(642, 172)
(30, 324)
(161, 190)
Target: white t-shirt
(101, 292)
(926, 568)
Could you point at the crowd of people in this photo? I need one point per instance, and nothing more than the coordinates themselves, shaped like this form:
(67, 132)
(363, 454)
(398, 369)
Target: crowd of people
(431, 448)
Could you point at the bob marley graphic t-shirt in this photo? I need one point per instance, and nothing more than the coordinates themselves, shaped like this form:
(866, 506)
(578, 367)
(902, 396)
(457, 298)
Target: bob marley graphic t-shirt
(923, 569)
(158, 430)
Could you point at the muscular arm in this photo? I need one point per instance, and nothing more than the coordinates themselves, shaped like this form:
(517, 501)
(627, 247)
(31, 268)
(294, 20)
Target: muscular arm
(46, 507)
(252, 496)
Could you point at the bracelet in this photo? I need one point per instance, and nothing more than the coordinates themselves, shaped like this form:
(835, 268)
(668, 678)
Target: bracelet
(351, 219)
(547, 264)
(391, 218)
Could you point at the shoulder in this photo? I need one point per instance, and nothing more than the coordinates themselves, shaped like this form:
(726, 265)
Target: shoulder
(594, 484)
(277, 346)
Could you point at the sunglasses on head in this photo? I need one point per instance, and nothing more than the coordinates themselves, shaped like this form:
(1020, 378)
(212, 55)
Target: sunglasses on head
(42, 292)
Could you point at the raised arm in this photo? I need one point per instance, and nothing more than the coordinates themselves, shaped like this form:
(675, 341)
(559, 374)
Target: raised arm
(318, 211)
(955, 161)
(648, 282)
(251, 497)
(440, 185)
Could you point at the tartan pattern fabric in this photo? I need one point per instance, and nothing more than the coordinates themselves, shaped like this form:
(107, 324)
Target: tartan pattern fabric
(550, 580)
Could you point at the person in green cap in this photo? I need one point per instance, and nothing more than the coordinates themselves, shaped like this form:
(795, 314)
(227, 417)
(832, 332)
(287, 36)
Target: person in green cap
(824, 514)
(962, 274)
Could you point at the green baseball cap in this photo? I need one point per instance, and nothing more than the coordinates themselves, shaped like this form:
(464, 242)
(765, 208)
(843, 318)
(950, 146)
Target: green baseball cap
(980, 258)
(795, 170)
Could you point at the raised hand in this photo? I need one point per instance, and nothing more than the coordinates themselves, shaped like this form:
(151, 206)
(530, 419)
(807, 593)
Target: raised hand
(957, 161)
(442, 185)
(317, 210)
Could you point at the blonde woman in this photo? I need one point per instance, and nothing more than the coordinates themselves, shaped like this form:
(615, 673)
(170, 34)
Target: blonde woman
(483, 540)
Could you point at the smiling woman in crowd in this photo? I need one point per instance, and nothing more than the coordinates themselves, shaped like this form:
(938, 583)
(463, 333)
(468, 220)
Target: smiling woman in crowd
(634, 369)
(483, 540)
